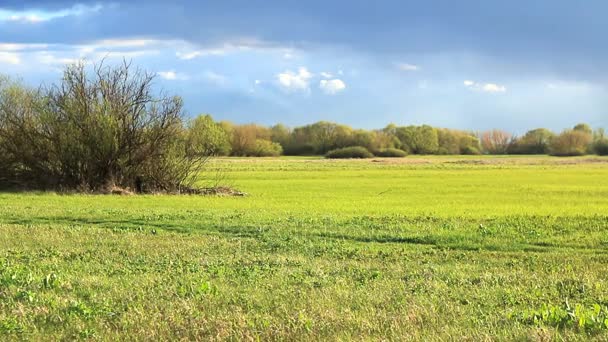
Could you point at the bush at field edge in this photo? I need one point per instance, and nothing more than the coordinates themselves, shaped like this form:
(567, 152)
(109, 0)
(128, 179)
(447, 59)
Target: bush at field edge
(390, 153)
(359, 152)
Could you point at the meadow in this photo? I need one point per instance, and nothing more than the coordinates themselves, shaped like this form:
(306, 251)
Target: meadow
(420, 248)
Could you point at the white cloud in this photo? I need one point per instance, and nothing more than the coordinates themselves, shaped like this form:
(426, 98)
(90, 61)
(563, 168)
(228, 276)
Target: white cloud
(99, 55)
(188, 51)
(215, 78)
(332, 87)
(294, 81)
(36, 16)
(127, 43)
(494, 88)
(21, 47)
(50, 59)
(485, 87)
(408, 67)
(9, 58)
(172, 75)
(326, 74)
(201, 53)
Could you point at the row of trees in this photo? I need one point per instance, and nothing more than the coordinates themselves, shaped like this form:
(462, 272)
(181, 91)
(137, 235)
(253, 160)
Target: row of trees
(322, 137)
(108, 128)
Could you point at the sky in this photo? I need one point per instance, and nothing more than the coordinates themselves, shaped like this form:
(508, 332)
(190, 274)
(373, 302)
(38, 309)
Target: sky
(469, 64)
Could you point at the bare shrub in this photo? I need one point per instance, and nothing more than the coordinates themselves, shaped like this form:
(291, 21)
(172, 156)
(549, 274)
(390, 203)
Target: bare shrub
(97, 131)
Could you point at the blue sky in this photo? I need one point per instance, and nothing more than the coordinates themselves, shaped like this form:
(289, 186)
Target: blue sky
(463, 64)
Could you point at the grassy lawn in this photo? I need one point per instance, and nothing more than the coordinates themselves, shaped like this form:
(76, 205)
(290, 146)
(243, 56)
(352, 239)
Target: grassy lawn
(424, 248)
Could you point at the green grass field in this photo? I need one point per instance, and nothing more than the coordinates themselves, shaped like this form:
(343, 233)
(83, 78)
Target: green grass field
(426, 248)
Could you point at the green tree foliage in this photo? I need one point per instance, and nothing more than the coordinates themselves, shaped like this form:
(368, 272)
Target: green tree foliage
(418, 139)
(583, 127)
(536, 141)
(208, 136)
(267, 148)
(457, 142)
(357, 152)
(390, 153)
(94, 131)
(600, 147)
(252, 140)
(571, 143)
(280, 134)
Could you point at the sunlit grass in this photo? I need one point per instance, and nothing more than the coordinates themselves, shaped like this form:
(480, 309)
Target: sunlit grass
(424, 248)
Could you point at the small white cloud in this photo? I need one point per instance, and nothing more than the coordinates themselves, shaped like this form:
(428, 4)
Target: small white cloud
(172, 75)
(126, 43)
(49, 58)
(9, 58)
(35, 16)
(485, 87)
(494, 88)
(408, 67)
(21, 47)
(215, 78)
(199, 53)
(326, 74)
(257, 82)
(168, 75)
(332, 87)
(291, 81)
(188, 52)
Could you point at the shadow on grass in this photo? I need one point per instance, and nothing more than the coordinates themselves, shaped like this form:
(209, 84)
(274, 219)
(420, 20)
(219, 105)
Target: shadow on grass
(453, 241)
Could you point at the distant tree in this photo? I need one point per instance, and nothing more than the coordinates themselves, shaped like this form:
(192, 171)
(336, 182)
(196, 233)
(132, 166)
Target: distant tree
(418, 139)
(243, 139)
(469, 143)
(583, 127)
(457, 142)
(599, 134)
(600, 142)
(495, 141)
(266, 148)
(280, 134)
(449, 142)
(382, 140)
(207, 135)
(535, 141)
(571, 143)
(328, 135)
(361, 137)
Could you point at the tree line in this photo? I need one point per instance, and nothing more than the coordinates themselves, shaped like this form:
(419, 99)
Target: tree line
(104, 127)
(322, 137)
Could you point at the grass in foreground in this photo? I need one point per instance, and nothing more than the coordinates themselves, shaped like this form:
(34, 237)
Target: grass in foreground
(424, 248)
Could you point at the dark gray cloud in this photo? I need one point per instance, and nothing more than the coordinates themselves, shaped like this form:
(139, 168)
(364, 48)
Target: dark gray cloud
(549, 35)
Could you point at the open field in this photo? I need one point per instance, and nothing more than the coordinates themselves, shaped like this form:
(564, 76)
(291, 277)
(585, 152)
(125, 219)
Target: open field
(437, 248)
